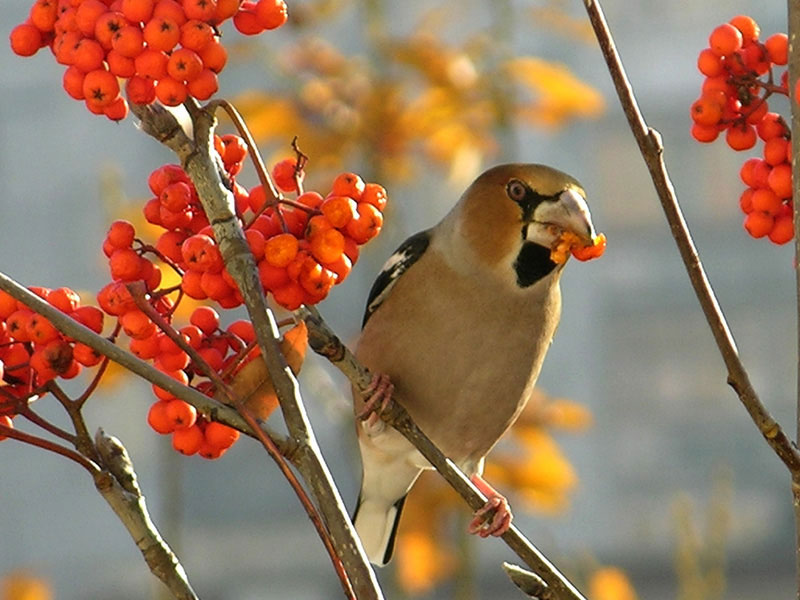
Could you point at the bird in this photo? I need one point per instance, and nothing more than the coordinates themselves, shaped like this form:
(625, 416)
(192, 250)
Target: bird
(457, 325)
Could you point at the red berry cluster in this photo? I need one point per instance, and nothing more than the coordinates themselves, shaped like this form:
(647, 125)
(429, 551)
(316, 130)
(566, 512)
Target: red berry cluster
(33, 351)
(221, 350)
(740, 79)
(302, 247)
(164, 49)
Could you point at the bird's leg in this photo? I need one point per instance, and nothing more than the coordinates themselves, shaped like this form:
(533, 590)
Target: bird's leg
(377, 398)
(485, 523)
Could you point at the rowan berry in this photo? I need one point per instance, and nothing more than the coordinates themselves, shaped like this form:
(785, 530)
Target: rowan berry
(151, 63)
(271, 277)
(128, 41)
(119, 65)
(339, 210)
(772, 125)
(89, 55)
(225, 10)
(725, 39)
(173, 360)
(89, 316)
(43, 15)
(780, 180)
(219, 435)
(704, 133)
(747, 27)
(215, 286)
(184, 65)
(17, 324)
(291, 296)
(147, 348)
(64, 299)
(196, 35)
(777, 46)
(169, 9)
(190, 284)
(327, 246)
(741, 137)
(271, 14)
(204, 85)
(171, 92)
(775, 150)
(107, 25)
(86, 355)
(187, 440)
(73, 82)
(375, 194)
(64, 47)
(205, 318)
(766, 201)
(161, 33)
(348, 184)
(341, 267)
(179, 376)
(281, 249)
(758, 224)
(88, 12)
(214, 55)
(157, 418)
(137, 10)
(709, 64)
(706, 111)
(368, 223)
(140, 90)
(125, 265)
(747, 172)
(245, 21)
(57, 355)
(746, 201)
(284, 172)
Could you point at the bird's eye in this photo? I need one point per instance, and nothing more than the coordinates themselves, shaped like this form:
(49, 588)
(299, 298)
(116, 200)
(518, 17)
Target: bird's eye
(516, 190)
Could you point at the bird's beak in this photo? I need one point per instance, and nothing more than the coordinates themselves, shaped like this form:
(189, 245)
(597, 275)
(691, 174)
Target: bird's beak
(568, 213)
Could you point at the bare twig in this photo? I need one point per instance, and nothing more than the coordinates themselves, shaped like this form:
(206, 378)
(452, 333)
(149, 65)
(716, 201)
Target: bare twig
(794, 76)
(649, 141)
(50, 447)
(119, 487)
(324, 342)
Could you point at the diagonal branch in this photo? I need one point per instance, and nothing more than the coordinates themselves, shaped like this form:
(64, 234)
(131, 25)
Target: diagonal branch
(197, 160)
(325, 342)
(649, 141)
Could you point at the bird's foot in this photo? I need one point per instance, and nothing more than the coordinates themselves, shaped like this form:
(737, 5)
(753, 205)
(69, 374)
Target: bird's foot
(495, 516)
(378, 397)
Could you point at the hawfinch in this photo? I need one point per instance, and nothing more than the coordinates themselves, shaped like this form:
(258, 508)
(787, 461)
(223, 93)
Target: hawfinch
(457, 324)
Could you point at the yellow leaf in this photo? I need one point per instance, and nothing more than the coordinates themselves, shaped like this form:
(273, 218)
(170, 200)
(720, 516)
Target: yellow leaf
(567, 414)
(557, 94)
(19, 585)
(268, 116)
(610, 583)
(421, 564)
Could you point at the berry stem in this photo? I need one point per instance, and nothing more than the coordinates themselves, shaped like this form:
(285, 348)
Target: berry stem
(33, 440)
(34, 418)
(81, 400)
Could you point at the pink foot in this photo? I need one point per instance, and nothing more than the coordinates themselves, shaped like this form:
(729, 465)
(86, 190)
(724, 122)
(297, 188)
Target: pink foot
(378, 396)
(485, 523)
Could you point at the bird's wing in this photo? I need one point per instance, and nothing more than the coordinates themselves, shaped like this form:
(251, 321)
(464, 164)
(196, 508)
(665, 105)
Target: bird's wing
(399, 262)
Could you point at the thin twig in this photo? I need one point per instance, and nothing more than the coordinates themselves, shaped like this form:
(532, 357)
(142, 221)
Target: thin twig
(34, 418)
(33, 440)
(794, 103)
(652, 150)
(325, 343)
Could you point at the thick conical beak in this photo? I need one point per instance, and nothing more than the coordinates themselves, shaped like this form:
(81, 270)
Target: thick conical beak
(568, 213)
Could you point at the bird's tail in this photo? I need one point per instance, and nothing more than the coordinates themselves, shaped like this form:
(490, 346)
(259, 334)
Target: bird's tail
(376, 521)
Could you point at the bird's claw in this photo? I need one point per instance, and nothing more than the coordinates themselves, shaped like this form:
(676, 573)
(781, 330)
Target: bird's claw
(493, 519)
(378, 397)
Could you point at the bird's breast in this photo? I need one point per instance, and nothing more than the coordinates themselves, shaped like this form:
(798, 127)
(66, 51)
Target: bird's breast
(465, 360)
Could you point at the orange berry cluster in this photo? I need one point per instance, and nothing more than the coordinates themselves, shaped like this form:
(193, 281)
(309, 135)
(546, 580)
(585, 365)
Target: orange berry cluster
(221, 350)
(740, 79)
(33, 351)
(302, 248)
(164, 49)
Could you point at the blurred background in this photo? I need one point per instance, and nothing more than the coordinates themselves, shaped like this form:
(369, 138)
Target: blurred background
(635, 468)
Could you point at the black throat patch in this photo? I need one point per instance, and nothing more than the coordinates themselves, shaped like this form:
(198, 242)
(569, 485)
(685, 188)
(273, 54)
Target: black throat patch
(532, 263)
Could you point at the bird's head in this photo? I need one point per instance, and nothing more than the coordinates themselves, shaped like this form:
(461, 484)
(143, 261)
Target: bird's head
(516, 213)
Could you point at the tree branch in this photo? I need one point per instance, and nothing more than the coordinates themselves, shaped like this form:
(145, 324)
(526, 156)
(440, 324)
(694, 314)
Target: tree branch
(649, 141)
(218, 204)
(794, 75)
(119, 487)
(325, 342)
